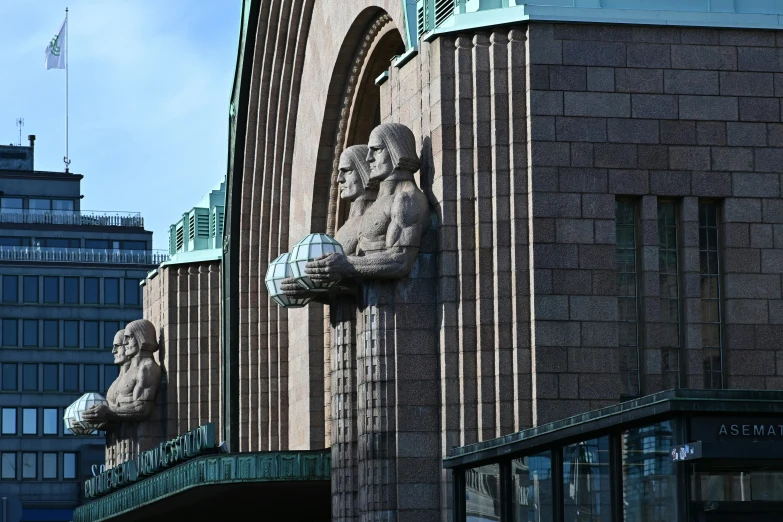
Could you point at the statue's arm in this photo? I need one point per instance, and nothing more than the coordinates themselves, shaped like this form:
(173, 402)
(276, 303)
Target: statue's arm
(142, 402)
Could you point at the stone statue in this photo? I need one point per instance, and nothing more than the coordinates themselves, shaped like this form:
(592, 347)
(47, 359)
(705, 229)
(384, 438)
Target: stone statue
(131, 396)
(354, 179)
(390, 231)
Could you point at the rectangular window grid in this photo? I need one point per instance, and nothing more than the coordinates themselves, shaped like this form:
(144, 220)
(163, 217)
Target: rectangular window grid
(627, 297)
(669, 272)
(711, 331)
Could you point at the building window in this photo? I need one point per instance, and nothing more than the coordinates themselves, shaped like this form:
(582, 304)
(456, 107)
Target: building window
(134, 245)
(91, 334)
(669, 272)
(111, 290)
(91, 378)
(30, 333)
(71, 331)
(110, 329)
(92, 294)
(39, 205)
(482, 493)
(10, 289)
(59, 242)
(110, 373)
(10, 333)
(62, 205)
(29, 421)
(30, 377)
(11, 203)
(9, 377)
(96, 243)
(49, 465)
(51, 333)
(50, 377)
(70, 377)
(586, 480)
(9, 421)
(50, 421)
(8, 465)
(132, 292)
(71, 290)
(30, 289)
(531, 483)
(51, 289)
(29, 465)
(69, 465)
(711, 331)
(627, 298)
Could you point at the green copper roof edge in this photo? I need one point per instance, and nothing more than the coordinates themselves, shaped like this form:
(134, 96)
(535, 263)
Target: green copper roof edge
(222, 468)
(194, 256)
(706, 401)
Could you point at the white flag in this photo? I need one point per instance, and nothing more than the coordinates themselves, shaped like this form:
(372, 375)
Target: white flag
(55, 51)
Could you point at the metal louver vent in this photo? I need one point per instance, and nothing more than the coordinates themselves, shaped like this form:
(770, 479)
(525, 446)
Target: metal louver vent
(192, 227)
(203, 225)
(220, 223)
(180, 238)
(421, 25)
(443, 9)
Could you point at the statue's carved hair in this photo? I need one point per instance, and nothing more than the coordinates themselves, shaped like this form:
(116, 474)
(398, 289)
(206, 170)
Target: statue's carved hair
(144, 332)
(401, 144)
(357, 155)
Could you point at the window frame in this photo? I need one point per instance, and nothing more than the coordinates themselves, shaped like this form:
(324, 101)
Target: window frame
(107, 293)
(71, 280)
(131, 284)
(56, 421)
(15, 411)
(97, 282)
(50, 322)
(678, 224)
(75, 324)
(15, 374)
(75, 456)
(35, 288)
(35, 465)
(31, 343)
(56, 368)
(25, 430)
(43, 465)
(2, 465)
(47, 284)
(97, 368)
(66, 367)
(97, 325)
(34, 368)
(10, 326)
(15, 279)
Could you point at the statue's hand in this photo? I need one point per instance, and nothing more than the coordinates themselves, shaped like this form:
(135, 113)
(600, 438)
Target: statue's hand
(293, 289)
(98, 413)
(329, 268)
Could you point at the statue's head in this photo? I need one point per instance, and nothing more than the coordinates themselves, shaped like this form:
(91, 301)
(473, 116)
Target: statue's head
(118, 348)
(140, 337)
(392, 147)
(353, 173)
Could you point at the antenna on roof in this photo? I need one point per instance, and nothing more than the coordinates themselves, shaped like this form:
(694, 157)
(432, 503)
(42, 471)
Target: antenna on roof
(20, 124)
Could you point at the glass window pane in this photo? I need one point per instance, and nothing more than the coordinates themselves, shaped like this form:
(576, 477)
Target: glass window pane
(71, 334)
(50, 377)
(531, 483)
(8, 465)
(71, 377)
(91, 290)
(39, 204)
(10, 289)
(30, 333)
(51, 289)
(71, 290)
(69, 465)
(96, 243)
(110, 329)
(586, 481)
(132, 292)
(134, 245)
(51, 334)
(29, 465)
(9, 421)
(9, 377)
(10, 337)
(30, 289)
(625, 225)
(15, 203)
(50, 465)
(91, 334)
(50, 421)
(649, 476)
(30, 377)
(111, 290)
(721, 486)
(62, 204)
(110, 373)
(91, 378)
(482, 493)
(29, 421)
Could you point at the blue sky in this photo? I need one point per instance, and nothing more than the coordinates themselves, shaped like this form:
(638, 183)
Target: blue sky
(150, 83)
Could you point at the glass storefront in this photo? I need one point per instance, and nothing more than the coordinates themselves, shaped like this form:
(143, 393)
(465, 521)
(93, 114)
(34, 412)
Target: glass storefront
(482, 493)
(531, 482)
(649, 476)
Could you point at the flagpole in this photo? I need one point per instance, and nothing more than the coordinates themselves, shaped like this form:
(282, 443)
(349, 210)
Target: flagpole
(66, 159)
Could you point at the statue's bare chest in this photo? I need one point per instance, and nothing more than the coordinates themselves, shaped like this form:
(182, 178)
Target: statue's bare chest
(375, 222)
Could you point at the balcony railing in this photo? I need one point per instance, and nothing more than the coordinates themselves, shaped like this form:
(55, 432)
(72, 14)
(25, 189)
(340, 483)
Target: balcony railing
(72, 217)
(83, 255)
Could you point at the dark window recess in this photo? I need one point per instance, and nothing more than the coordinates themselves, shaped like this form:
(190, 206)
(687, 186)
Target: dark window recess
(30, 333)
(10, 289)
(134, 245)
(59, 242)
(71, 334)
(13, 155)
(91, 377)
(30, 377)
(70, 377)
(10, 337)
(96, 243)
(91, 334)
(110, 373)
(51, 289)
(12, 241)
(51, 336)
(111, 291)
(30, 289)
(110, 328)
(92, 294)
(71, 290)
(132, 292)
(10, 377)
(50, 377)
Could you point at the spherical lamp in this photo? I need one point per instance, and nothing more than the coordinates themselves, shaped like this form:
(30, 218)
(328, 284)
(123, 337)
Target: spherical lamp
(73, 414)
(308, 249)
(278, 270)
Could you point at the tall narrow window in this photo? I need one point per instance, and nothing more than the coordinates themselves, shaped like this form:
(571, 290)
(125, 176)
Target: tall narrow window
(668, 268)
(711, 339)
(627, 297)
(10, 289)
(51, 289)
